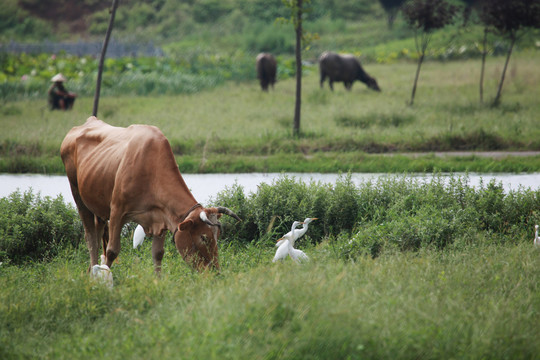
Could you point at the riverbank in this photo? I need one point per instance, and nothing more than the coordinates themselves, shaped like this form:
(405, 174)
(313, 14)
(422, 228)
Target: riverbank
(328, 162)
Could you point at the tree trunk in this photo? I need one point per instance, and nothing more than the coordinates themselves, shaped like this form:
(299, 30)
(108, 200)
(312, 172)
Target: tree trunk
(298, 102)
(420, 60)
(102, 57)
(484, 53)
(499, 90)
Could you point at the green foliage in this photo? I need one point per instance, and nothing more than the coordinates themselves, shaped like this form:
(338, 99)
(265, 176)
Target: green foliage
(391, 213)
(35, 228)
(475, 302)
(15, 22)
(27, 76)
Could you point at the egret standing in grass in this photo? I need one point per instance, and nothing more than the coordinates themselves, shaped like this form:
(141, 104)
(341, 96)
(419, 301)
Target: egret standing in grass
(138, 236)
(103, 274)
(296, 234)
(286, 243)
(536, 238)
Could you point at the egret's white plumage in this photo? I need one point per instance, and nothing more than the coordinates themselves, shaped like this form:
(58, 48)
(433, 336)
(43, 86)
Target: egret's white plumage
(282, 251)
(285, 249)
(536, 238)
(286, 243)
(298, 255)
(138, 236)
(296, 234)
(103, 274)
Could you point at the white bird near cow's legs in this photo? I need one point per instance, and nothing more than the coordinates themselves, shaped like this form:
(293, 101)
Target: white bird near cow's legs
(138, 236)
(536, 238)
(102, 274)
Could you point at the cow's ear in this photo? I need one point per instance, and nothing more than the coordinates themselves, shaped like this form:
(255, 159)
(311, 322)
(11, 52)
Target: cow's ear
(185, 225)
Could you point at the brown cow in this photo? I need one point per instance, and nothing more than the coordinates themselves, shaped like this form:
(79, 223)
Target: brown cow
(119, 175)
(266, 70)
(345, 68)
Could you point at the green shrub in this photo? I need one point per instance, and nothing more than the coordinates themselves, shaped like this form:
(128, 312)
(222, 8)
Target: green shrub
(35, 228)
(400, 213)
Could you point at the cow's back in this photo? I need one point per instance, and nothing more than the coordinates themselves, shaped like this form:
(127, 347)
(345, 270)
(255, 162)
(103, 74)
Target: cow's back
(338, 67)
(98, 156)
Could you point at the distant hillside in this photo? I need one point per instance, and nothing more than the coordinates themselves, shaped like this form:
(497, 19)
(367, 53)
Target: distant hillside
(157, 20)
(234, 28)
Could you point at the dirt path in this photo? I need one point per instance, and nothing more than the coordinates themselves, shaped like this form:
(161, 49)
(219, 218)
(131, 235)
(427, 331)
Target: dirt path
(492, 154)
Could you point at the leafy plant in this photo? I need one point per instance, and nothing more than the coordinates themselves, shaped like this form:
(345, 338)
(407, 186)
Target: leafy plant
(35, 228)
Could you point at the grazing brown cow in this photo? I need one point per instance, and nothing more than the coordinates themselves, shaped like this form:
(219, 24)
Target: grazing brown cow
(344, 68)
(119, 175)
(266, 70)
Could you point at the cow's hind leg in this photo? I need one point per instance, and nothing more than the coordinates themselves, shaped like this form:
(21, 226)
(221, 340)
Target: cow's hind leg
(90, 229)
(323, 77)
(102, 230)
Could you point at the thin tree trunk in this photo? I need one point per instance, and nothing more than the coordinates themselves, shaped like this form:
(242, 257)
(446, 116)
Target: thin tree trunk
(298, 102)
(499, 90)
(102, 57)
(484, 53)
(420, 60)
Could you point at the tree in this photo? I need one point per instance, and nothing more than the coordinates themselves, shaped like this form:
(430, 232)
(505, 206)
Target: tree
(298, 9)
(67, 11)
(510, 19)
(425, 16)
(391, 7)
(102, 56)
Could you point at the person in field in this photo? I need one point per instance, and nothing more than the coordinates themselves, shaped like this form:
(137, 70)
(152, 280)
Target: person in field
(59, 97)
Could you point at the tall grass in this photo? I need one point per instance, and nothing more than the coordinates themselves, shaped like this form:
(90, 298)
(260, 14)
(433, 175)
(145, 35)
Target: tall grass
(397, 270)
(475, 303)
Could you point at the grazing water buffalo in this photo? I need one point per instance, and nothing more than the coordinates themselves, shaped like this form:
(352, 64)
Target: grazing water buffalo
(344, 68)
(266, 70)
(119, 175)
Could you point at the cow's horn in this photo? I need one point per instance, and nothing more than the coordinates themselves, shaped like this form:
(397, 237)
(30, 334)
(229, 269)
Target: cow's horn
(206, 220)
(224, 210)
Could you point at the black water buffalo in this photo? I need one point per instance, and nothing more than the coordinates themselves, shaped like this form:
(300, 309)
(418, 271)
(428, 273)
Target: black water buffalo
(344, 68)
(266, 70)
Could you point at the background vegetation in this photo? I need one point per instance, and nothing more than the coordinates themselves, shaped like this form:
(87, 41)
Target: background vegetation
(237, 128)
(398, 269)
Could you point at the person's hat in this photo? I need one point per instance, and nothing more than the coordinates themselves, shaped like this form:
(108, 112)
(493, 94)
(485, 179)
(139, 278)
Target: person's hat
(58, 78)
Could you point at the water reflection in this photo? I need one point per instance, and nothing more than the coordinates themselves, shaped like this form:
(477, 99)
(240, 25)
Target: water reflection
(205, 186)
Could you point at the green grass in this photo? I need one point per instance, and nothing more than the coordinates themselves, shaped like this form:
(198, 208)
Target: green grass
(479, 302)
(253, 127)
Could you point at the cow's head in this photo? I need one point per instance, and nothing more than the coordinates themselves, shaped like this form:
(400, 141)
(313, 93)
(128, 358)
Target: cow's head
(196, 237)
(372, 84)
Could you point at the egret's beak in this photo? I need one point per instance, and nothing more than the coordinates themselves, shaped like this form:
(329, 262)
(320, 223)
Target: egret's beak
(278, 240)
(314, 219)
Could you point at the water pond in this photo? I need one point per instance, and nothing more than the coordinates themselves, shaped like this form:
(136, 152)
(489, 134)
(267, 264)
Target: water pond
(206, 186)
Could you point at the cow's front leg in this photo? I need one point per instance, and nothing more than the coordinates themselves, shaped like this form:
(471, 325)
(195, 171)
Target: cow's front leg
(113, 247)
(158, 243)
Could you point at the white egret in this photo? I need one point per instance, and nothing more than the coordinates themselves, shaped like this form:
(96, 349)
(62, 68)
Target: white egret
(536, 238)
(103, 274)
(285, 249)
(286, 243)
(138, 236)
(297, 233)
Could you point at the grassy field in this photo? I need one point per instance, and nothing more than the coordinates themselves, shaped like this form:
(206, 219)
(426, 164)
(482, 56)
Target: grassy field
(236, 127)
(478, 302)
